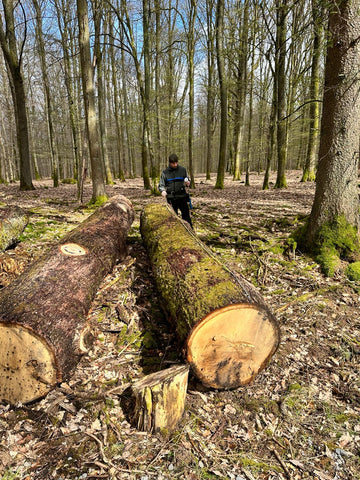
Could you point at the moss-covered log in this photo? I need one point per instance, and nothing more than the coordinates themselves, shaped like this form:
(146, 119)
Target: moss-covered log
(43, 312)
(160, 399)
(228, 332)
(13, 220)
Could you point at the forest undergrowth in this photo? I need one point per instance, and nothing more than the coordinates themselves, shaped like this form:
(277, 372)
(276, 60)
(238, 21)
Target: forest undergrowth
(300, 417)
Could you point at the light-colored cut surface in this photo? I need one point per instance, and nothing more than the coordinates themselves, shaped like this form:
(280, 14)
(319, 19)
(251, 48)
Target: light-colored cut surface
(27, 366)
(72, 249)
(160, 399)
(230, 345)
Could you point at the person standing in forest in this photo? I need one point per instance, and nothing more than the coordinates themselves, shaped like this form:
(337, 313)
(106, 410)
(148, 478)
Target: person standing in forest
(172, 185)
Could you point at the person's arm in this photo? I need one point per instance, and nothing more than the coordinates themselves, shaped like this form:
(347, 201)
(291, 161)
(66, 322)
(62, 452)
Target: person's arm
(162, 187)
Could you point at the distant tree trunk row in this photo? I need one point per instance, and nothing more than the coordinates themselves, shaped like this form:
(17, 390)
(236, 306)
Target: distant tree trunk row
(154, 78)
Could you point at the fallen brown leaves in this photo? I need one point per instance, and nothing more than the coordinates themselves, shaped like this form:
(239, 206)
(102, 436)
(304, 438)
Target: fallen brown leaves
(300, 418)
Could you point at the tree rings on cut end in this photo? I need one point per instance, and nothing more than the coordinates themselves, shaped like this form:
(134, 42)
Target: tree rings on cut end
(229, 346)
(72, 250)
(27, 365)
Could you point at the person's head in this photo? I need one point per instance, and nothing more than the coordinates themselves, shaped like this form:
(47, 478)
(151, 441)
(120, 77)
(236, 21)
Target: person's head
(173, 160)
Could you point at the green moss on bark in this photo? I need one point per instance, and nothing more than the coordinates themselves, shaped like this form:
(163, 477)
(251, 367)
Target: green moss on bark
(335, 241)
(353, 271)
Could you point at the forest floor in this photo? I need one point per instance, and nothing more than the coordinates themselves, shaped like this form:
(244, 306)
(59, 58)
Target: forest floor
(299, 419)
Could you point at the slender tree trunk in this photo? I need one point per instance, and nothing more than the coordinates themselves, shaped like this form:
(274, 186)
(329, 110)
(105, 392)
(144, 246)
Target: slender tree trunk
(281, 13)
(146, 94)
(48, 100)
(210, 103)
(249, 146)
(241, 91)
(99, 192)
(98, 7)
(271, 136)
(223, 93)
(309, 167)
(63, 19)
(120, 142)
(13, 60)
(158, 112)
(191, 53)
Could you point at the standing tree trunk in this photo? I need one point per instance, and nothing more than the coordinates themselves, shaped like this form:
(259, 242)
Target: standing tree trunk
(63, 19)
(210, 101)
(223, 93)
(271, 137)
(98, 7)
(120, 143)
(336, 192)
(191, 54)
(43, 312)
(309, 167)
(228, 332)
(241, 87)
(280, 72)
(13, 60)
(97, 171)
(48, 102)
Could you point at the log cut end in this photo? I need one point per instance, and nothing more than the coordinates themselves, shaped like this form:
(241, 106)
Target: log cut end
(228, 347)
(27, 365)
(160, 399)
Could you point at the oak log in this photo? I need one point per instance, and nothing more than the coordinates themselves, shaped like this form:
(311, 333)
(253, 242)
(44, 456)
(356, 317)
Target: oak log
(43, 312)
(227, 331)
(13, 221)
(160, 399)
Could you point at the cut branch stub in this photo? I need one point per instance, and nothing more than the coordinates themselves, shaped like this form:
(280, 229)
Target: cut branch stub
(43, 312)
(228, 331)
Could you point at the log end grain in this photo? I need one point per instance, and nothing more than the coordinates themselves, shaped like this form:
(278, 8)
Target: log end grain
(160, 399)
(27, 365)
(229, 346)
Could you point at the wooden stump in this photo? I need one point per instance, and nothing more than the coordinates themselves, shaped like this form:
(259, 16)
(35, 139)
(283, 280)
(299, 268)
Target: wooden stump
(160, 399)
(13, 220)
(228, 332)
(43, 312)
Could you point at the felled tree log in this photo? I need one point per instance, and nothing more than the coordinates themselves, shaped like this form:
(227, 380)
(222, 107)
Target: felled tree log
(228, 332)
(160, 399)
(43, 312)
(13, 221)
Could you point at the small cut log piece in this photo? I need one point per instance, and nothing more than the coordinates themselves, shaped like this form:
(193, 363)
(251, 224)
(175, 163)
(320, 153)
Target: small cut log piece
(13, 221)
(228, 332)
(160, 399)
(43, 312)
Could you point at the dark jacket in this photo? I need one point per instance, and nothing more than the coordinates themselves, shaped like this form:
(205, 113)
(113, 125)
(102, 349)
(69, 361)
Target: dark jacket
(172, 180)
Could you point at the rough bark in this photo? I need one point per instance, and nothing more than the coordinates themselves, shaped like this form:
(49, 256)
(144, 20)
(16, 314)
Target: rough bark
(160, 399)
(314, 114)
(223, 94)
(13, 59)
(227, 330)
(97, 169)
(280, 72)
(43, 313)
(13, 220)
(337, 175)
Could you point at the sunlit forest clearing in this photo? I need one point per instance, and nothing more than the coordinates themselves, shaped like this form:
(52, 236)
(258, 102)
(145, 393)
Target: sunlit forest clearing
(299, 418)
(259, 101)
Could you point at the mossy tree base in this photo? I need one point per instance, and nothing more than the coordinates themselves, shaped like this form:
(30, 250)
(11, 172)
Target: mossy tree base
(335, 241)
(160, 399)
(43, 312)
(13, 221)
(227, 330)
